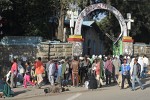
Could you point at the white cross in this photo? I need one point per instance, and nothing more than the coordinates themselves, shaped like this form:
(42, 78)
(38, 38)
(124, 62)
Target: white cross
(129, 21)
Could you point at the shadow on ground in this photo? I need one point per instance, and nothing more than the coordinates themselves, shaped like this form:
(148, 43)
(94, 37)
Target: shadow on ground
(20, 92)
(146, 85)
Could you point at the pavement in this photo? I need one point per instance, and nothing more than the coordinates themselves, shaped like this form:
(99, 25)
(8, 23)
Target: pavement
(81, 93)
(31, 92)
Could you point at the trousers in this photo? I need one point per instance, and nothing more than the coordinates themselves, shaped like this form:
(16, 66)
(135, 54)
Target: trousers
(123, 79)
(135, 77)
(51, 79)
(27, 80)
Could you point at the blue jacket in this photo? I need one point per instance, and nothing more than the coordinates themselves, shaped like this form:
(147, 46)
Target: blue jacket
(125, 69)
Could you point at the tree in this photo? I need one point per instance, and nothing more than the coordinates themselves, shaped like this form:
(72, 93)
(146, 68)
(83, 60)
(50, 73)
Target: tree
(140, 13)
(63, 6)
(28, 17)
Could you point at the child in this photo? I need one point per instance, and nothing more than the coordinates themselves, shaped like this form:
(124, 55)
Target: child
(33, 75)
(27, 80)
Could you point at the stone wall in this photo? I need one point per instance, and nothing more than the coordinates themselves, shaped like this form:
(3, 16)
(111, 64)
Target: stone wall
(54, 50)
(31, 52)
(18, 51)
(142, 49)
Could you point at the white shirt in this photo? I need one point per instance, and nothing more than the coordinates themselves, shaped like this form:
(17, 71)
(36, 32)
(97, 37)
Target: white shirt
(131, 65)
(52, 69)
(141, 62)
(146, 61)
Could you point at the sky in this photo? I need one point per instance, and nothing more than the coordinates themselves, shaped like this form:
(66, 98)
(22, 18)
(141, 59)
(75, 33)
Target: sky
(100, 17)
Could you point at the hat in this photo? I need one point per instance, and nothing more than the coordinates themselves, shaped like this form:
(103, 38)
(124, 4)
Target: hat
(124, 57)
(128, 57)
(32, 67)
(117, 57)
(100, 56)
(62, 60)
(88, 58)
(93, 56)
(81, 58)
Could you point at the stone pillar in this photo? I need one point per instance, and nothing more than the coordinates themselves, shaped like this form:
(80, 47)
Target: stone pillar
(127, 45)
(77, 47)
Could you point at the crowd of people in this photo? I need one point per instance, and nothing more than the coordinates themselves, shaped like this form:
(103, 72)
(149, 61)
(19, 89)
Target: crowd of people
(79, 70)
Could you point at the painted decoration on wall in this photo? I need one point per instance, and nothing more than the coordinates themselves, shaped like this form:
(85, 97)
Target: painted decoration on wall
(77, 48)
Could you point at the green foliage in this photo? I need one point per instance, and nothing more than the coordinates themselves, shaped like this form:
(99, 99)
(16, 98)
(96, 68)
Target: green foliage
(31, 17)
(5, 5)
(140, 11)
(28, 17)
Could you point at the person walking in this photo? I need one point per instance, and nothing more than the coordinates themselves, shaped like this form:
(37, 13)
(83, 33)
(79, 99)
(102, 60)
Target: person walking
(59, 74)
(86, 65)
(98, 73)
(47, 70)
(135, 73)
(116, 64)
(108, 70)
(75, 67)
(67, 68)
(27, 75)
(27, 80)
(125, 71)
(81, 71)
(39, 70)
(14, 71)
(94, 66)
(21, 72)
(52, 69)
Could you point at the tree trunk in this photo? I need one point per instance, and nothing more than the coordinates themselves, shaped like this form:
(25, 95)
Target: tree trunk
(61, 23)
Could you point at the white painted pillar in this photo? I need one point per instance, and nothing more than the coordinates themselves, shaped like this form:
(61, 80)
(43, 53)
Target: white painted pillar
(72, 22)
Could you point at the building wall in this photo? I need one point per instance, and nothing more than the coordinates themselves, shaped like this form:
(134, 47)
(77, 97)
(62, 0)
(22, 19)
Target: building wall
(92, 44)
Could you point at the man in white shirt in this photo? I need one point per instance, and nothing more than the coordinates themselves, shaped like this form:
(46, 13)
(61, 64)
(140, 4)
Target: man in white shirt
(52, 69)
